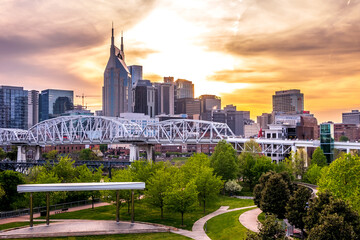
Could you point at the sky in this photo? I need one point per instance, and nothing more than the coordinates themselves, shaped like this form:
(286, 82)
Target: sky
(241, 50)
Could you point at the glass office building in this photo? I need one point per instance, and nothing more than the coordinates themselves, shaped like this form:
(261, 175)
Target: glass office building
(327, 140)
(13, 107)
(53, 102)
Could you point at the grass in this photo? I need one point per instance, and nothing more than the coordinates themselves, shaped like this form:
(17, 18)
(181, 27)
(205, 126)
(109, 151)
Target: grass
(261, 217)
(142, 236)
(16, 224)
(146, 213)
(226, 226)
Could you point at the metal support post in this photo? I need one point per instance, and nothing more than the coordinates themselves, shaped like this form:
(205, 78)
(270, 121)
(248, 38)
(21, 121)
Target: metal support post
(47, 209)
(31, 211)
(117, 206)
(132, 206)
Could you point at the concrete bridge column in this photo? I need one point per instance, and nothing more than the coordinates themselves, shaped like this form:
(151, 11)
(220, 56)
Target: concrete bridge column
(37, 153)
(348, 150)
(134, 153)
(293, 150)
(150, 153)
(21, 154)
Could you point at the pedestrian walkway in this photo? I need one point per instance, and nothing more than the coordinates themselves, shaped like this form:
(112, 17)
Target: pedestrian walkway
(250, 220)
(27, 217)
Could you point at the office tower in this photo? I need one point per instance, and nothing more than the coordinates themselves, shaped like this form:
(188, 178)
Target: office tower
(33, 108)
(54, 102)
(189, 106)
(208, 103)
(168, 79)
(144, 98)
(234, 119)
(117, 89)
(164, 98)
(288, 101)
(265, 119)
(13, 107)
(352, 117)
(184, 89)
(136, 72)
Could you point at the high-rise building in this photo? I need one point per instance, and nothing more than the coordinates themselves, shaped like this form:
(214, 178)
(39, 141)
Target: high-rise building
(168, 79)
(33, 108)
(13, 107)
(234, 119)
(136, 72)
(352, 117)
(117, 89)
(208, 104)
(184, 89)
(54, 102)
(144, 98)
(265, 119)
(189, 106)
(327, 140)
(288, 101)
(164, 98)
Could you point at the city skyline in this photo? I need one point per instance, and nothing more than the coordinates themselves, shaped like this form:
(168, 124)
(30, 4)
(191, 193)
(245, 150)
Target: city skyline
(242, 51)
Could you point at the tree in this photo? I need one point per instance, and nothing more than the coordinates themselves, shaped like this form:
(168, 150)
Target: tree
(319, 157)
(342, 179)
(11, 199)
(181, 197)
(12, 154)
(312, 174)
(65, 170)
(232, 186)
(142, 170)
(87, 154)
(296, 208)
(271, 229)
(2, 154)
(343, 138)
(157, 188)
(52, 155)
(224, 161)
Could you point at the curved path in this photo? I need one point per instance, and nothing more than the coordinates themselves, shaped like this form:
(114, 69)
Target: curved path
(250, 220)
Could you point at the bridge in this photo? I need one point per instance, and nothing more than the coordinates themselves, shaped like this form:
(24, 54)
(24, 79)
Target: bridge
(111, 130)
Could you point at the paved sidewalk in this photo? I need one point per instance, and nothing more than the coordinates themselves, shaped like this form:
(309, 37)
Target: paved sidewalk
(27, 217)
(250, 220)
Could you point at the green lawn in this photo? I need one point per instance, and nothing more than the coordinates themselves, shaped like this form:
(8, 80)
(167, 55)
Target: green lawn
(16, 224)
(146, 213)
(226, 226)
(143, 236)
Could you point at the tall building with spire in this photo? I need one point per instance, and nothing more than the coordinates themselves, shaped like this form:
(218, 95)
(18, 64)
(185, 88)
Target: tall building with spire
(117, 89)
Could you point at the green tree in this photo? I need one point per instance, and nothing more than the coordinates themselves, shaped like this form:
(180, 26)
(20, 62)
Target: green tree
(2, 154)
(87, 154)
(11, 199)
(224, 161)
(52, 155)
(65, 170)
(343, 138)
(319, 157)
(12, 154)
(342, 179)
(181, 196)
(312, 174)
(194, 165)
(142, 170)
(232, 187)
(157, 188)
(271, 229)
(296, 207)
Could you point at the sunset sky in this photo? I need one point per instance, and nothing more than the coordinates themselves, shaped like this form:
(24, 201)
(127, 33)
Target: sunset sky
(241, 50)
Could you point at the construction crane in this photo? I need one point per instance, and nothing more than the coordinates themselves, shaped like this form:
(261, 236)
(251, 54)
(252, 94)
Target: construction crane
(82, 96)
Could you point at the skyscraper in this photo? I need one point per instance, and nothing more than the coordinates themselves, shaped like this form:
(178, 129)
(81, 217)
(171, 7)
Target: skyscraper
(164, 98)
(13, 107)
(33, 108)
(184, 89)
(54, 102)
(288, 101)
(208, 104)
(144, 98)
(117, 89)
(136, 72)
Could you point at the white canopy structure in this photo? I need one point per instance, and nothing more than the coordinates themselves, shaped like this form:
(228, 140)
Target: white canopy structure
(92, 186)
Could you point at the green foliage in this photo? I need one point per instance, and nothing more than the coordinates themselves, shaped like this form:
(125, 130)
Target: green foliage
(65, 170)
(342, 179)
(103, 148)
(142, 170)
(273, 192)
(52, 155)
(224, 161)
(295, 164)
(2, 154)
(330, 218)
(12, 155)
(271, 229)
(296, 207)
(343, 138)
(319, 157)
(87, 154)
(11, 199)
(232, 186)
(313, 174)
(181, 196)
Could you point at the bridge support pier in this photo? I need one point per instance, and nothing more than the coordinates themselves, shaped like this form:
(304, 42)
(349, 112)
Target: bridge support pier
(348, 150)
(134, 153)
(37, 153)
(150, 153)
(21, 154)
